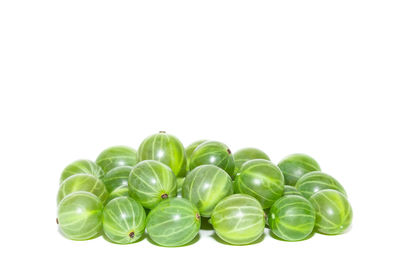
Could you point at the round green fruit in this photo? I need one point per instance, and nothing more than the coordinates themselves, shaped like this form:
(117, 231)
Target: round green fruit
(116, 156)
(122, 191)
(124, 220)
(261, 179)
(165, 148)
(290, 190)
(246, 154)
(189, 150)
(315, 181)
(238, 219)
(295, 166)
(174, 222)
(82, 182)
(333, 210)
(214, 153)
(292, 218)
(82, 167)
(79, 216)
(150, 182)
(205, 186)
(117, 177)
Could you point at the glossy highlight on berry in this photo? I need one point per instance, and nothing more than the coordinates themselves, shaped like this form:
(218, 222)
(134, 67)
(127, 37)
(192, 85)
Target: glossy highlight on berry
(238, 219)
(213, 153)
(205, 186)
(165, 148)
(333, 210)
(80, 216)
(150, 182)
(292, 218)
(261, 179)
(174, 222)
(124, 220)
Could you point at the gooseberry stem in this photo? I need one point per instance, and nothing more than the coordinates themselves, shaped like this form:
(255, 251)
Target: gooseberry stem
(164, 196)
(162, 132)
(57, 220)
(229, 151)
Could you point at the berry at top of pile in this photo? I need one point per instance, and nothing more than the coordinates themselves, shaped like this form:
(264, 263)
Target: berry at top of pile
(165, 148)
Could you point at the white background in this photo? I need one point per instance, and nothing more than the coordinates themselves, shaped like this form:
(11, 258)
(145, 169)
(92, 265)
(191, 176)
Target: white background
(318, 77)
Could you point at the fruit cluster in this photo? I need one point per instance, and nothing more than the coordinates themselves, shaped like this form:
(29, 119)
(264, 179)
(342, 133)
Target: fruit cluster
(165, 189)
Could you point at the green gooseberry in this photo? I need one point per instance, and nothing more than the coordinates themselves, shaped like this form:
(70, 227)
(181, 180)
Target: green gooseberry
(79, 215)
(150, 182)
(246, 154)
(261, 179)
(189, 151)
(117, 177)
(165, 148)
(174, 222)
(238, 219)
(292, 218)
(122, 191)
(82, 182)
(124, 220)
(295, 166)
(214, 153)
(290, 190)
(333, 210)
(179, 184)
(116, 156)
(82, 166)
(205, 186)
(315, 181)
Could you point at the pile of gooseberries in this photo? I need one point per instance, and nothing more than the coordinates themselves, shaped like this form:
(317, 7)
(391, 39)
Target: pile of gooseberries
(164, 190)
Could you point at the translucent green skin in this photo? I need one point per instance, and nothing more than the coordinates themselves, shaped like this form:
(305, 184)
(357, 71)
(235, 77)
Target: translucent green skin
(122, 191)
(82, 167)
(292, 218)
(238, 219)
(315, 181)
(205, 186)
(189, 150)
(295, 166)
(82, 182)
(179, 184)
(261, 179)
(124, 220)
(214, 153)
(246, 154)
(180, 181)
(333, 210)
(117, 177)
(165, 148)
(80, 216)
(291, 190)
(150, 182)
(116, 156)
(174, 222)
